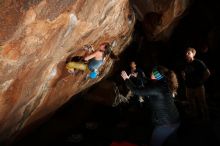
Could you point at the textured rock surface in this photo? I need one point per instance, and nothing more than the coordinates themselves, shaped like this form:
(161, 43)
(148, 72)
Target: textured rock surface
(160, 16)
(36, 38)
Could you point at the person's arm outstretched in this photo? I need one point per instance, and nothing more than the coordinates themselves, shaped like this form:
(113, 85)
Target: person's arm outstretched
(93, 55)
(147, 91)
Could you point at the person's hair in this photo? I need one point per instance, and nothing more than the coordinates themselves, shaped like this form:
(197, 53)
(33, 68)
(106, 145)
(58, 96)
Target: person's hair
(132, 62)
(191, 49)
(170, 77)
(107, 48)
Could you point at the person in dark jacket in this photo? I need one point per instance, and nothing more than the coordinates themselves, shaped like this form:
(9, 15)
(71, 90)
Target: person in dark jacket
(195, 74)
(138, 77)
(159, 93)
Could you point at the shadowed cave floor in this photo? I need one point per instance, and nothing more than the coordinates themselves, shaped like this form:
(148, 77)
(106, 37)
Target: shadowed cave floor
(84, 122)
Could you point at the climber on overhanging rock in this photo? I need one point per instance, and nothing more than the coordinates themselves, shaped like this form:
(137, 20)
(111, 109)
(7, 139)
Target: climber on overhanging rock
(91, 62)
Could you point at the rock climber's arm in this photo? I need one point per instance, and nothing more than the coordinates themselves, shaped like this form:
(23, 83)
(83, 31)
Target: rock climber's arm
(93, 55)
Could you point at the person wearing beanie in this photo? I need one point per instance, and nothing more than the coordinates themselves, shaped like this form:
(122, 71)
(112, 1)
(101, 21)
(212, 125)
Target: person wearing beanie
(159, 95)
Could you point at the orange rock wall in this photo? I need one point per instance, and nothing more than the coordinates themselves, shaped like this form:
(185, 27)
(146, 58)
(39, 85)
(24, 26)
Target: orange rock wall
(36, 38)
